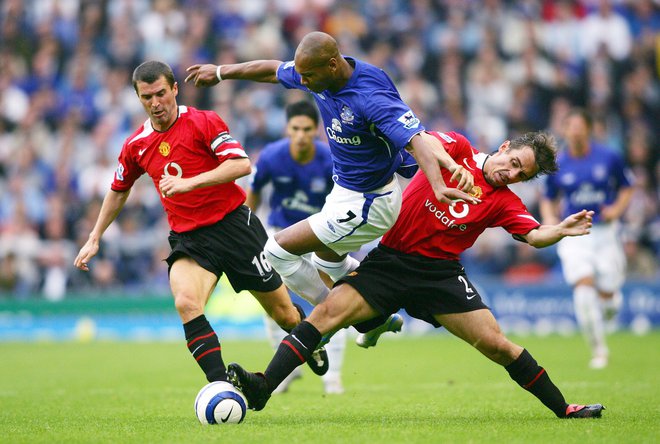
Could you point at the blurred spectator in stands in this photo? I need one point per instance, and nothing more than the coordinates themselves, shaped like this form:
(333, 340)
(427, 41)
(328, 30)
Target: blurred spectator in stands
(489, 96)
(561, 34)
(605, 30)
(643, 207)
(56, 251)
(487, 69)
(9, 278)
(162, 30)
(20, 241)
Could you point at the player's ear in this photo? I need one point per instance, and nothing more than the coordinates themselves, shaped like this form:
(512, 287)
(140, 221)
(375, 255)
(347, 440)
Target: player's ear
(175, 89)
(504, 146)
(332, 64)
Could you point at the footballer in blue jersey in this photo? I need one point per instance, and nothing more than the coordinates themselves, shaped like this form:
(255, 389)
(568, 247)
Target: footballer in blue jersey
(367, 124)
(299, 188)
(591, 181)
(596, 178)
(369, 129)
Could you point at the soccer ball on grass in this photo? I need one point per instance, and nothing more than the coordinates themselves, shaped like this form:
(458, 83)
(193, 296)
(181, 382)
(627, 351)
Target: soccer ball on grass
(220, 403)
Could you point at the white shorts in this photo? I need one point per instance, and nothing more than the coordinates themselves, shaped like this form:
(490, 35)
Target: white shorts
(350, 219)
(598, 254)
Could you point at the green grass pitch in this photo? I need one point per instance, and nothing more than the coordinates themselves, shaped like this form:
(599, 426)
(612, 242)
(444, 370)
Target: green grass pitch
(407, 390)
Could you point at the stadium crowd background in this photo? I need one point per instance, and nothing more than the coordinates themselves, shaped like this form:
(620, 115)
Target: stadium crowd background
(490, 69)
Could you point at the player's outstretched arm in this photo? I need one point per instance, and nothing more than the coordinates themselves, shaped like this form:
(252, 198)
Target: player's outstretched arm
(112, 204)
(257, 71)
(577, 224)
(430, 156)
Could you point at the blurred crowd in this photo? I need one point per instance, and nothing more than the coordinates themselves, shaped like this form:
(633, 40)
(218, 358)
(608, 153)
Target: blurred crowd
(490, 69)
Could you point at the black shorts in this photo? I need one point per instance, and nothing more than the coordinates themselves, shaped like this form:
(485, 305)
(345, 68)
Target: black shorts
(390, 280)
(234, 245)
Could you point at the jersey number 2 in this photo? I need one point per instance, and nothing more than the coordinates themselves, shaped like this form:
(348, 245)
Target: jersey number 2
(464, 281)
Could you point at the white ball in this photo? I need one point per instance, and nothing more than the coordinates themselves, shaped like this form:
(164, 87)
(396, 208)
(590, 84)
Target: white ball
(220, 403)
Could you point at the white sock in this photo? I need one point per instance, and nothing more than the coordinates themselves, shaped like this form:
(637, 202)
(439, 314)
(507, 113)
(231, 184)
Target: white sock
(335, 349)
(590, 317)
(336, 270)
(274, 332)
(297, 272)
(612, 306)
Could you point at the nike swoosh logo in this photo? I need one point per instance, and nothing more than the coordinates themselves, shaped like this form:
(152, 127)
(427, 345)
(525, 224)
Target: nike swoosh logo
(228, 414)
(195, 351)
(298, 341)
(141, 152)
(268, 278)
(467, 166)
(470, 297)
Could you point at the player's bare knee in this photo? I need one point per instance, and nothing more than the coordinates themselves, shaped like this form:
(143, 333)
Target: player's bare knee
(187, 305)
(329, 314)
(319, 312)
(322, 318)
(285, 317)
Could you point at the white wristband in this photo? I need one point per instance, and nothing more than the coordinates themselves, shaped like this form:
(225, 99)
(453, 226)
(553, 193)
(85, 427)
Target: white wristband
(217, 73)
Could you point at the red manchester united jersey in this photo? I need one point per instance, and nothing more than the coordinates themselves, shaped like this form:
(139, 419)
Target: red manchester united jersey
(428, 228)
(197, 142)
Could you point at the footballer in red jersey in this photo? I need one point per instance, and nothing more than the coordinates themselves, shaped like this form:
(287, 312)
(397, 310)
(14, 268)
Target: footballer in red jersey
(197, 142)
(416, 268)
(426, 227)
(193, 162)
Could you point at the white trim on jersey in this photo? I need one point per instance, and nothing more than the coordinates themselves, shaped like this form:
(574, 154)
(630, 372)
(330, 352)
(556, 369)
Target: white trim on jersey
(530, 217)
(480, 159)
(237, 151)
(220, 138)
(146, 130)
(418, 132)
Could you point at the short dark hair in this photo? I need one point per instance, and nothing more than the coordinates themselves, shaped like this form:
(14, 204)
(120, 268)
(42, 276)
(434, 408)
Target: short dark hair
(584, 114)
(302, 108)
(152, 70)
(545, 151)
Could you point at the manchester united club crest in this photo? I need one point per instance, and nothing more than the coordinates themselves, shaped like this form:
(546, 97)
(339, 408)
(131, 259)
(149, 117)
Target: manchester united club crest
(476, 192)
(164, 149)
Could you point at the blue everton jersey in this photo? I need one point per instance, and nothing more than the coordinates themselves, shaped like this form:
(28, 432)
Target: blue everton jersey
(298, 190)
(588, 182)
(367, 124)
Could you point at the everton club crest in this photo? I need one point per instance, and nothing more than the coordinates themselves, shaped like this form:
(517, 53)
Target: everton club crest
(347, 115)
